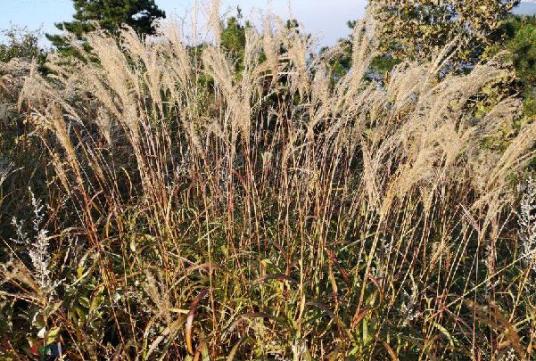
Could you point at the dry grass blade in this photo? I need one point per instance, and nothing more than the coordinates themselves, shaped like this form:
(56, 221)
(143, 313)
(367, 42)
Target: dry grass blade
(190, 320)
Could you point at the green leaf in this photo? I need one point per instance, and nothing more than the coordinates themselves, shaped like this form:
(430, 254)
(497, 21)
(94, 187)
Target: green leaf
(445, 332)
(52, 335)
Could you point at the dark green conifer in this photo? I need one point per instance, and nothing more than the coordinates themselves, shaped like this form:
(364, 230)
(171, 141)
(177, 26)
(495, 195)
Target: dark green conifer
(109, 15)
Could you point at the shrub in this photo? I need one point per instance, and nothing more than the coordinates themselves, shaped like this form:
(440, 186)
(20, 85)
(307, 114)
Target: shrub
(19, 43)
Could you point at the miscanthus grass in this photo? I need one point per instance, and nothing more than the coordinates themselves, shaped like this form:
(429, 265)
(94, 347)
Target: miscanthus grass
(274, 213)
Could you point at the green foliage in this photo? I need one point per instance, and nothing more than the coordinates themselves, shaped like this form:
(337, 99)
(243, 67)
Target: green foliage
(519, 40)
(19, 43)
(233, 38)
(522, 45)
(109, 15)
(384, 63)
(342, 62)
(417, 29)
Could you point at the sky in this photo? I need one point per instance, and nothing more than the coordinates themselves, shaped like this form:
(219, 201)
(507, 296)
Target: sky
(326, 19)
(526, 8)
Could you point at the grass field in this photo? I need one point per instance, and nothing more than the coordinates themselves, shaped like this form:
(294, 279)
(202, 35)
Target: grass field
(174, 208)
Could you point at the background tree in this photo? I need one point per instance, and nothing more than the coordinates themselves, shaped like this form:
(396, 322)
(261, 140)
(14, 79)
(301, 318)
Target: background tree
(233, 37)
(519, 40)
(20, 43)
(109, 15)
(523, 47)
(341, 61)
(416, 29)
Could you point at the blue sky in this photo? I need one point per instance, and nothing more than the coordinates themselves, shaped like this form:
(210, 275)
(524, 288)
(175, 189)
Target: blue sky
(326, 19)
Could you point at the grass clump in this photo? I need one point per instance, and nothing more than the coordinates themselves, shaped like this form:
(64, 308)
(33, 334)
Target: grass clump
(194, 214)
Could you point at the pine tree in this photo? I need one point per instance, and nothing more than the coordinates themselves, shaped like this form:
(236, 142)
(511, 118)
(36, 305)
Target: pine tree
(109, 15)
(521, 43)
